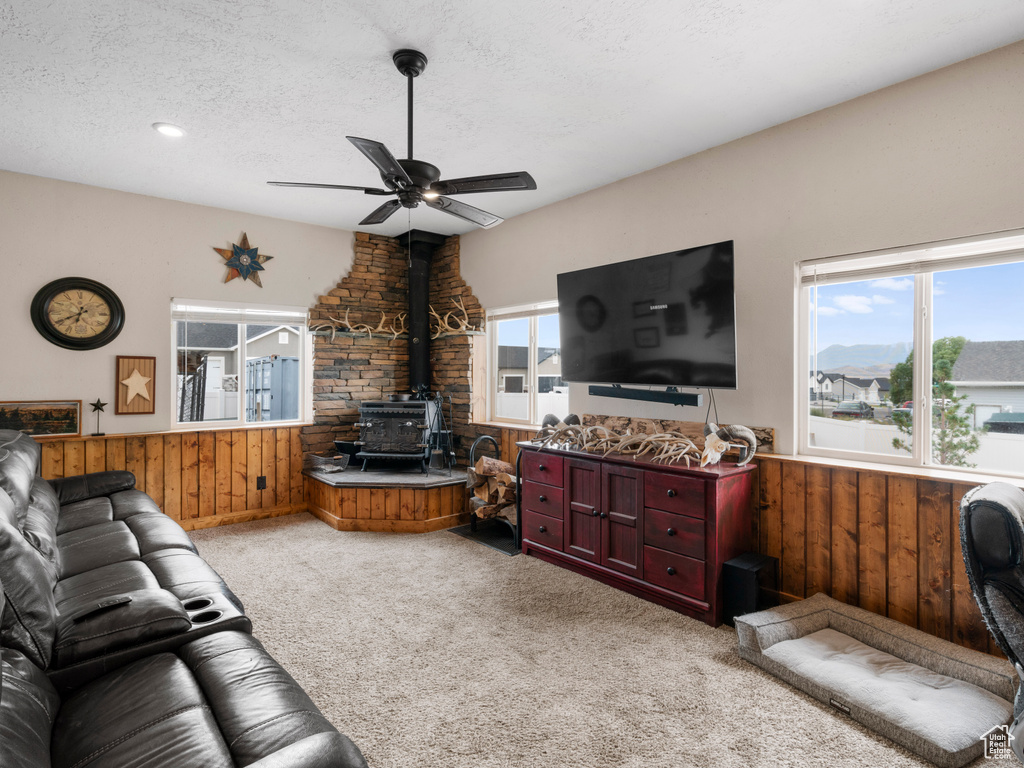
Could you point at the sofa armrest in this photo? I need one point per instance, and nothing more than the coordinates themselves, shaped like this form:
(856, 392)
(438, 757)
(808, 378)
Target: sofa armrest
(117, 622)
(322, 750)
(82, 487)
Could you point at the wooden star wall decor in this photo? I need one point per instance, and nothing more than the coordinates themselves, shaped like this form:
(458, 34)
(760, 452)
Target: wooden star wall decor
(243, 261)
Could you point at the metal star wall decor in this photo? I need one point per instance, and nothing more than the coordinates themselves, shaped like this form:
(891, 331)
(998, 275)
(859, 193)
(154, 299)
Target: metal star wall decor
(97, 408)
(243, 261)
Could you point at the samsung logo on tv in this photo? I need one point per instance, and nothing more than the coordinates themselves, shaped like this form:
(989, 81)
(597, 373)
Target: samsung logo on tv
(658, 306)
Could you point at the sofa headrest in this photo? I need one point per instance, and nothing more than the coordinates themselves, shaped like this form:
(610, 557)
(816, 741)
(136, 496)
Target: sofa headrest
(19, 464)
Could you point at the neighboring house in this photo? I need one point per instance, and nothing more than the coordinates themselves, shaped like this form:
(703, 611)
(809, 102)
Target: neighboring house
(839, 386)
(991, 375)
(218, 342)
(513, 368)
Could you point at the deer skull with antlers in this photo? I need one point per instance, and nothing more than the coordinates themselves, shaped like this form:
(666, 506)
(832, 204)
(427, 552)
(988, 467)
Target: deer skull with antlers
(717, 440)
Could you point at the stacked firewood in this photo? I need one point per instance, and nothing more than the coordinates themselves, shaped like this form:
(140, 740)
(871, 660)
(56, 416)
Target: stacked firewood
(493, 488)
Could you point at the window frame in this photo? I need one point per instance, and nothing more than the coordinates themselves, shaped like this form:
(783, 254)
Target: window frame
(921, 262)
(532, 312)
(239, 314)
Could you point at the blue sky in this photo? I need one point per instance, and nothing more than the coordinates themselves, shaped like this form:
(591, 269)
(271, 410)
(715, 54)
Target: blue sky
(515, 333)
(980, 304)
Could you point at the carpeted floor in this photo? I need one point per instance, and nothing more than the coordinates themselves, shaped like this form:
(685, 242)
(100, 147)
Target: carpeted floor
(432, 651)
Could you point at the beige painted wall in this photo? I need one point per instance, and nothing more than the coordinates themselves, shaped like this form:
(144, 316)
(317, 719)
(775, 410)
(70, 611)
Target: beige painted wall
(147, 250)
(932, 158)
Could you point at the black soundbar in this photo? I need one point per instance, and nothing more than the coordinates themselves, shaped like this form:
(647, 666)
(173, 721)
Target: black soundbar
(668, 396)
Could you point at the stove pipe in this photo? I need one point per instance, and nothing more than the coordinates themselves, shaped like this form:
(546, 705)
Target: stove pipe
(420, 247)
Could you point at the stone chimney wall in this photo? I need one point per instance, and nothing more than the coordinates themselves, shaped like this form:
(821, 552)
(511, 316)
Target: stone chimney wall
(451, 357)
(351, 368)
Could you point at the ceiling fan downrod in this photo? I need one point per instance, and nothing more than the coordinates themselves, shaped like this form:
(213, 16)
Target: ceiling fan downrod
(411, 64)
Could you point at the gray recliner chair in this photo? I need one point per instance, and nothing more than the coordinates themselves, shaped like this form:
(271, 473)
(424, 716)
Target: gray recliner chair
(992, 540)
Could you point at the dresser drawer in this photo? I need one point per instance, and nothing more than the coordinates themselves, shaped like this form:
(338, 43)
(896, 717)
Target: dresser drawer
(542, 468)
(541, 529)
(676, 533)
(674, 493)
(678, 573)
(546, 499)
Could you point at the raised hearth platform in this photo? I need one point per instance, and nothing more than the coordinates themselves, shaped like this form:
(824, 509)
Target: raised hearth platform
(387, 500)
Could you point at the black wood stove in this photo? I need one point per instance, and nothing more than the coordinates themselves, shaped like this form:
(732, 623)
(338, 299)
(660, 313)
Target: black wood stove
(397, 430)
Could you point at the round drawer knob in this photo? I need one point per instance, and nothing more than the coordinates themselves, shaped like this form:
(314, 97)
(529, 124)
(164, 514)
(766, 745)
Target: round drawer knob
(671, 531)
(542, 498)
(604, 515)
(671, 493)
(670, 571)
(543, 529)
(541, 467)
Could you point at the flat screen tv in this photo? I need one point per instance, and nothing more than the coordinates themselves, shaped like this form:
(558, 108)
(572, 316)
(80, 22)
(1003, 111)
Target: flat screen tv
(668, 319)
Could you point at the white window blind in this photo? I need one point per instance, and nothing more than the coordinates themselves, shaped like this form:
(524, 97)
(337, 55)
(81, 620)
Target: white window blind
(987, 250)
(197, 311)
(528, 310)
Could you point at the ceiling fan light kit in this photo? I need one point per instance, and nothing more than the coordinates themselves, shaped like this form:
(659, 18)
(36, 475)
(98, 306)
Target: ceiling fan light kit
(415, 181)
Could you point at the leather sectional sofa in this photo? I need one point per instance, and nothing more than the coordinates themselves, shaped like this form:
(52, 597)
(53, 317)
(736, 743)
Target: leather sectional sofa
(121, 646)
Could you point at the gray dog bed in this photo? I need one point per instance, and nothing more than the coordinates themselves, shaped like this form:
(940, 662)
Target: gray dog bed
(935, 698)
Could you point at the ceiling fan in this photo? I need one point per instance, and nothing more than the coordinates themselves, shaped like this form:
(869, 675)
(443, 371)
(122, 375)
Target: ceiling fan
(415, 181)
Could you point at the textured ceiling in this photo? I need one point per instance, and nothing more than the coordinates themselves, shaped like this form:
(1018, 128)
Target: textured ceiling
(577, 93)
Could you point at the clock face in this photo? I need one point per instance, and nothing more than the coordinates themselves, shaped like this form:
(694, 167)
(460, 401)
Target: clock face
(77, 313)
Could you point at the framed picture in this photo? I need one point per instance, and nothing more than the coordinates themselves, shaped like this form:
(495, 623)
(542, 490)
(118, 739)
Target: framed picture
(42, 418)
(647, 337)
(136, 384)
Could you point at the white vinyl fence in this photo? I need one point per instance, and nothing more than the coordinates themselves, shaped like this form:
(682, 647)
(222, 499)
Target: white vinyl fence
(997, 453)
(516, 405)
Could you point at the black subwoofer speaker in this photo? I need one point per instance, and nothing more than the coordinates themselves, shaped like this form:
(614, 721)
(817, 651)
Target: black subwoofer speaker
(749, 583)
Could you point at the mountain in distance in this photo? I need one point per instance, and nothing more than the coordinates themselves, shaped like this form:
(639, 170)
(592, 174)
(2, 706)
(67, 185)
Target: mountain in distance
(872, 359)
(864, 372)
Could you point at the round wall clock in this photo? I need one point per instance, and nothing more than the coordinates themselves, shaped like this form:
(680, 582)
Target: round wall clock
(77, 313)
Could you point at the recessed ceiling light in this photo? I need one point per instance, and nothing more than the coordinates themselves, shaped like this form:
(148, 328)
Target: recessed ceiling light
(169, 130)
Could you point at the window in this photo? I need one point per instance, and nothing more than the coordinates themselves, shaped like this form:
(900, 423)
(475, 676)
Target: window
(526, 364)
(240, 364)
(916, 356)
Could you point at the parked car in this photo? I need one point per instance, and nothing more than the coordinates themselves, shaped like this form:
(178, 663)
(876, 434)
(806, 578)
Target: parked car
(904, 411)
(856, 409)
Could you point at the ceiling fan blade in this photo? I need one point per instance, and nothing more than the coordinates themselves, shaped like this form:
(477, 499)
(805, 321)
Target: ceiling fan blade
(467, 212)
(366, 190)
(381, 157)
(381, 214)
(496, 182)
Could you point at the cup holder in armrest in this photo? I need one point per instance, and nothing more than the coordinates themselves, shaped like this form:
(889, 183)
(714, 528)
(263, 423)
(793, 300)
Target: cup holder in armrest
(197, 603)
(205, 617)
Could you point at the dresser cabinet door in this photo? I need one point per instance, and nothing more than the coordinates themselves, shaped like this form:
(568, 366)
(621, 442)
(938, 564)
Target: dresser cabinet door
(582, 493)
(620, 512)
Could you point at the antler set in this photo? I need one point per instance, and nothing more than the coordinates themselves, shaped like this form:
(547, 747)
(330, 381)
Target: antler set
(444, 325)
(664, 448)
(448, 324)
(395, 328)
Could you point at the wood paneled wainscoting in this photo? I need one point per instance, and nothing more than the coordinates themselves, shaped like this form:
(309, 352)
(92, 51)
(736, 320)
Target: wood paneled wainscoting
(886, 541)
(202, 478)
